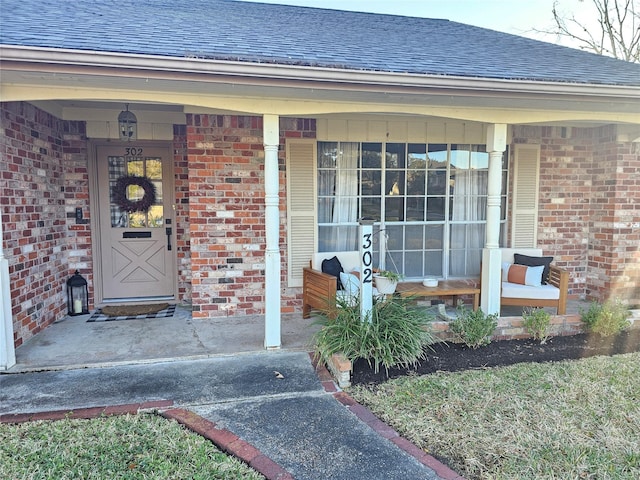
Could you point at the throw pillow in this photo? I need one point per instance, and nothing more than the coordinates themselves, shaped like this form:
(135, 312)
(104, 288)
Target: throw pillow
(332, 266)
(534, 262)
(350, 283)
(523, 275)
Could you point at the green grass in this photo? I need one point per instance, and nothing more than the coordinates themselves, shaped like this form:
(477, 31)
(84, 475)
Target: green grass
(566, 420)
(141, 446)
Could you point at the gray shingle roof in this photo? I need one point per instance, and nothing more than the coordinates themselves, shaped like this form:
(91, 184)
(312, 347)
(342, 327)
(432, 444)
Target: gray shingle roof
(230, 30)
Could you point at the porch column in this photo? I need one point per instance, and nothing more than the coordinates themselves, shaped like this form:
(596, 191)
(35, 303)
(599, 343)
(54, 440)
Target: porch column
(271, 134)
(491, 256)
(7, 349)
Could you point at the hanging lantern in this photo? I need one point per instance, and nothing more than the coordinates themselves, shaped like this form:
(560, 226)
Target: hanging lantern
(77, 295)
(127, 125)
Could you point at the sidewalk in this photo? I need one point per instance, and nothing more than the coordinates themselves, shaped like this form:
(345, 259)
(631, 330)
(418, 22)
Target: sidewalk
(288, 427)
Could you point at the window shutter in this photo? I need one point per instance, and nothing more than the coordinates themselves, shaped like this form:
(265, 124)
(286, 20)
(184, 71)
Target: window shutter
(525, 196)
(301, 207)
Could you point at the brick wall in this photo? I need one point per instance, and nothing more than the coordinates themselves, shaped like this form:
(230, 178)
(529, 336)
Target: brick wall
(76, 195)
(33, 214)
(588, 207)
(614, 242)
(226, 212)
(183, 239)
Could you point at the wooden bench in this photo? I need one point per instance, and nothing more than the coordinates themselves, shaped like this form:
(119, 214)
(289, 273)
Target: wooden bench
(554, 294)
(319, 289)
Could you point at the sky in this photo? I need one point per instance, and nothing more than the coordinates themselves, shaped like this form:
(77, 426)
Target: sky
(518, 17)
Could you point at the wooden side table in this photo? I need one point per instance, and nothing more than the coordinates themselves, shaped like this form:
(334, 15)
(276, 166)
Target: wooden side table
(445, 288)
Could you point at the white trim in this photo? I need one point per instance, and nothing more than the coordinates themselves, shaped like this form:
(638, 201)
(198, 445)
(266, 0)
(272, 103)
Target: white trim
(7, 346)
(365, 80)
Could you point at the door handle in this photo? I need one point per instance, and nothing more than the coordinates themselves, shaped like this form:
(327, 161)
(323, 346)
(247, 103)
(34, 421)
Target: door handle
(168, 231)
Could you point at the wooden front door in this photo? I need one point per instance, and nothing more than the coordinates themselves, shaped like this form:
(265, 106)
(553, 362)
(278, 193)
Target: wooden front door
(137, 248)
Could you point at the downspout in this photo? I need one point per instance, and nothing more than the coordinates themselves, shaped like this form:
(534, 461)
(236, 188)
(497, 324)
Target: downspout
(491, 255)
(7, 348)
(271, 133)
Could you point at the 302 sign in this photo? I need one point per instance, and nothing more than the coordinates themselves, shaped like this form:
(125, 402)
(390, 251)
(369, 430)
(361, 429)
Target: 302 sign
(133, 151)
(367, 258)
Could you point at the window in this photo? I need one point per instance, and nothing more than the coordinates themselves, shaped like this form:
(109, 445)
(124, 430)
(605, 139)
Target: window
(429, 203)
(150, 167)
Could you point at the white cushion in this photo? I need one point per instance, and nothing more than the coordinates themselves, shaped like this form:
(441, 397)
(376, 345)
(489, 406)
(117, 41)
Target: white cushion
(543, 292)
(350, 283)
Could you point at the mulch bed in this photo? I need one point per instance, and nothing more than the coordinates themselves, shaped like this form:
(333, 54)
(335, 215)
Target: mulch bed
(452, 357)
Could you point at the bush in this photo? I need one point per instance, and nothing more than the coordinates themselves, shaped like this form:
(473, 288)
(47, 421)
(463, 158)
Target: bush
(474, 328)
(606, 318)
(395, 335)
(538, 324)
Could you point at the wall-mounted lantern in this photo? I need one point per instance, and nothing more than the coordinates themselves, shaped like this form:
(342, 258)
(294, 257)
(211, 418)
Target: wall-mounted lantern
(127, 125)
(77, 295)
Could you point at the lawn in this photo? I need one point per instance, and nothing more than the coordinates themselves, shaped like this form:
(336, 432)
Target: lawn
(568, 420)
(142, 446)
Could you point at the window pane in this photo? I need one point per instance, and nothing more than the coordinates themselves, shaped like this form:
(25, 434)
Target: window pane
(371, 183)
(437, 182)
(337, 238)
(416, 182)
(371, 208)
(433, 264)
(394, 209)
(327, 154)
(435, 209)
(415, 209)
(371, 155)
(395, 157)
(413, 264)
(437, 156)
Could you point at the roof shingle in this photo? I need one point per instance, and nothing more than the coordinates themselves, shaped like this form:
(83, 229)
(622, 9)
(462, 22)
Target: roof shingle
(253, 32)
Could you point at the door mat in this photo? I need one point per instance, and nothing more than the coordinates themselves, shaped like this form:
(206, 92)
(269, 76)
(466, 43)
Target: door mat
(132, 312)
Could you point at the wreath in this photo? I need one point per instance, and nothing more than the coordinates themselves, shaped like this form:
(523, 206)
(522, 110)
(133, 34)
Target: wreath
(120, 194)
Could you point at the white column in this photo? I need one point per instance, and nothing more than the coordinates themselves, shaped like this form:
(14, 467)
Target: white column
(7, 349)
(271, 133)
(491, 256)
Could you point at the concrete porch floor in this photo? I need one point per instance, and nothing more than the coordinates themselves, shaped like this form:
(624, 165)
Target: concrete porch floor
(74, 343)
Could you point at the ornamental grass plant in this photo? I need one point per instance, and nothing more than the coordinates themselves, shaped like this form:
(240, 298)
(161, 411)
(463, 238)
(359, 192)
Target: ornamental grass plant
(396, 333)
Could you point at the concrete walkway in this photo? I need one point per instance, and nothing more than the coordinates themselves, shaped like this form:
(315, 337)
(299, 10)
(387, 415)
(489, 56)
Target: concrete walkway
(292, 427)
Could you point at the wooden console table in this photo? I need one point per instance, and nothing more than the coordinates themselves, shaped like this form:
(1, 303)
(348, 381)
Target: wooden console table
(445, 288)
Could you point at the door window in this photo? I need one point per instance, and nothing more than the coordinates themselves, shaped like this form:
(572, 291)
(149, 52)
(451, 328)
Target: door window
(149, 167)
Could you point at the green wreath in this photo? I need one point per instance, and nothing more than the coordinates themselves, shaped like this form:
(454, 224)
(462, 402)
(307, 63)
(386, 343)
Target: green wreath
(120, 194)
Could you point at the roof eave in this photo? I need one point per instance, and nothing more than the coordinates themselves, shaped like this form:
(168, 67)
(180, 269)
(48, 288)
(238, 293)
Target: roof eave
(37, 58)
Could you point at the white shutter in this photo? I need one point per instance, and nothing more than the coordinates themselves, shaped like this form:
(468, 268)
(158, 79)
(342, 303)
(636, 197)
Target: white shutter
(301, 207)
(526, 176)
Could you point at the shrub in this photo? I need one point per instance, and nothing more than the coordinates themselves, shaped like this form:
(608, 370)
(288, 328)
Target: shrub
(395, 335)
(538, 324)
(606, 318)
(474, 328)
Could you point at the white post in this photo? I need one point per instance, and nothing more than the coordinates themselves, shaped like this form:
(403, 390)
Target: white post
(7, 348)
(491, 256)
(366, 269)
(271, 131)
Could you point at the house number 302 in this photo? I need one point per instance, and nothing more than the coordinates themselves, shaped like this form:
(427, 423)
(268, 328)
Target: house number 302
(366, 258)
(133, 151)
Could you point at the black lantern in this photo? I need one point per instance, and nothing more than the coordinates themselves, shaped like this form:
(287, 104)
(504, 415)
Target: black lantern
(77, 295)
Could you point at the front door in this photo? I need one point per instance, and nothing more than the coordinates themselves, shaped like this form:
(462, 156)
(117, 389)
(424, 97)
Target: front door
(137, 231)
